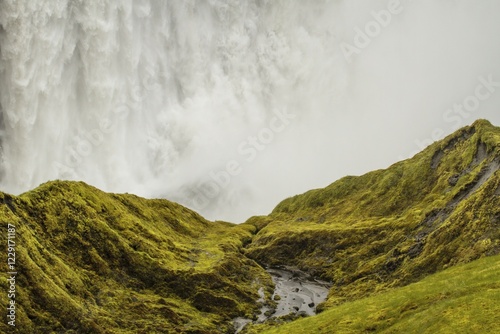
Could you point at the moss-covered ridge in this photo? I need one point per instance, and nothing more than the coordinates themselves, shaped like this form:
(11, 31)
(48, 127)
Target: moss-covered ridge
(103, 263)
(443, 167)
(93, 262)
(395, 226)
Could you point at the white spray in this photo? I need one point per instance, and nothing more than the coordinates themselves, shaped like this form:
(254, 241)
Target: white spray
(225, 106)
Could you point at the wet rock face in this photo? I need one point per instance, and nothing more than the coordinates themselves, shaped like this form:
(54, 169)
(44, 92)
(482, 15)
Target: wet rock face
(452, 181)
(297, 292)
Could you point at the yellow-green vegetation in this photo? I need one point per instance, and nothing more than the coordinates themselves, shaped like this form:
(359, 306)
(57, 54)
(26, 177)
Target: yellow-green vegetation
(92, 262)
(462, 299)
(391, 227)
(102, 263)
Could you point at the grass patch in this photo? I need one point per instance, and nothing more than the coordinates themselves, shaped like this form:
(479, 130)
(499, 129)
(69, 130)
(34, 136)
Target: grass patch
(462, 299)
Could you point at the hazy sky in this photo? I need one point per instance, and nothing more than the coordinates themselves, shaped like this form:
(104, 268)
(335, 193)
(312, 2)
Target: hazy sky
(231, 106)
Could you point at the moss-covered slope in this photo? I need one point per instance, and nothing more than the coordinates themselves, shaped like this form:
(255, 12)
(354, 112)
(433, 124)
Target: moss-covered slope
(392, 227)
(462, 299)
(102, 263)
(92, 262)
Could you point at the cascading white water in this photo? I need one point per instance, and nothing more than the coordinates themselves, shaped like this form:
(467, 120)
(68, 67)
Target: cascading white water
(163, 98)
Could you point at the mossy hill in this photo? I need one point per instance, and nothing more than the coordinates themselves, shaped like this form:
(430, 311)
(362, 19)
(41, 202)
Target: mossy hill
(93, 262)
(394, 226)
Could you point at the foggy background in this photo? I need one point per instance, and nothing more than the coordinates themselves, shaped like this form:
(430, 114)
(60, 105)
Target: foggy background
(228, 107)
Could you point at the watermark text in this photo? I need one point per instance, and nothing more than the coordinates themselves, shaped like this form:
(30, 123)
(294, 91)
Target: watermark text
(11, 265)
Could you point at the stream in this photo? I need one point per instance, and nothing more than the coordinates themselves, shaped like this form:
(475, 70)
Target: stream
(295, 292)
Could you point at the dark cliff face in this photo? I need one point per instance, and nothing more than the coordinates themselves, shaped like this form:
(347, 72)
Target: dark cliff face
(92, 262)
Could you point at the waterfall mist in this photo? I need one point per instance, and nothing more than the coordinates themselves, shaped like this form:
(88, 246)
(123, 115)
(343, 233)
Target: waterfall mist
(230, 106)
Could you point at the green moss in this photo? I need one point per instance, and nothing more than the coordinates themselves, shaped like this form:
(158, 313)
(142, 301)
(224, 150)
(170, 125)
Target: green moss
(92, 262)
(101, 263)
(395, 226)
(463, 299)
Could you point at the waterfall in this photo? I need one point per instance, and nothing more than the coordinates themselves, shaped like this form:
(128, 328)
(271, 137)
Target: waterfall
(209, 103)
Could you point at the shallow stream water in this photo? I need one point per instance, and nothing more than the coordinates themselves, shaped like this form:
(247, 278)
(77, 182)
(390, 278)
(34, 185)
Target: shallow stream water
(294, 292)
